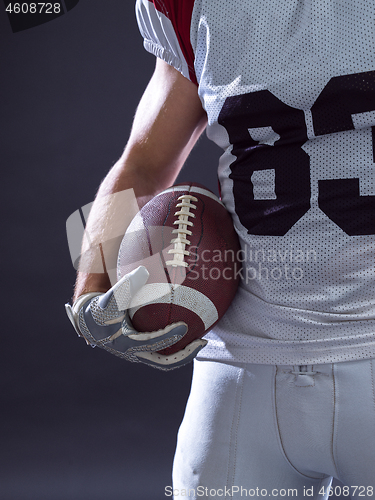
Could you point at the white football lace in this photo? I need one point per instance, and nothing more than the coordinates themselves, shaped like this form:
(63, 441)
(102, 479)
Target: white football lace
(179, 251)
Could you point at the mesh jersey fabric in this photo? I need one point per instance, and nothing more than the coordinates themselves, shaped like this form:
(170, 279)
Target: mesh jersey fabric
(289, 90)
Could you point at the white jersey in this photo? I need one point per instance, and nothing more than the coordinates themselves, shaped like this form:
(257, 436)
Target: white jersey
(289, 90)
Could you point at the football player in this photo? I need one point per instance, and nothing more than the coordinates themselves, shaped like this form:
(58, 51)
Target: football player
(283, 396)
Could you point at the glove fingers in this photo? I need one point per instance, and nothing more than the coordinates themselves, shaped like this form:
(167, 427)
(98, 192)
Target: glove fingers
(108, 308)
(125, 289)
(180, 328)
(97, 324)
(127, 348)
(175, 360)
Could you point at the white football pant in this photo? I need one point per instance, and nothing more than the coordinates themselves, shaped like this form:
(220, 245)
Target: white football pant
(277, 431)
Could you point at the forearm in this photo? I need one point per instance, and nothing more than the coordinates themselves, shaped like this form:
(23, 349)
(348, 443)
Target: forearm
(122, 193)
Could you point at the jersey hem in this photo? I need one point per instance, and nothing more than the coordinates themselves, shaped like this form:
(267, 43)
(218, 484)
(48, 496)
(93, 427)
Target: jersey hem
(292, 353)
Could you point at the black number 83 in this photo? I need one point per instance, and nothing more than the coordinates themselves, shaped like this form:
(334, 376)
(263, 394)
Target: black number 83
(332, 112)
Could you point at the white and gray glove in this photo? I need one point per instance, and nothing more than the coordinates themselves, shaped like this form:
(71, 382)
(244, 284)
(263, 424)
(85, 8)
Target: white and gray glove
(102, 320)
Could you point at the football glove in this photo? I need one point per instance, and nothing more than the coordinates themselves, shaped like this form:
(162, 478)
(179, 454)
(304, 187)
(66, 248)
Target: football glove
(102, 320)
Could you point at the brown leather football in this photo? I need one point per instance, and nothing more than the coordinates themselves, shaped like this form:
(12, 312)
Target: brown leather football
(186, 240)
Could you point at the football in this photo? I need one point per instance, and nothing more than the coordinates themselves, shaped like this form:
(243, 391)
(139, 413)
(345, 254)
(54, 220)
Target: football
(185, 238)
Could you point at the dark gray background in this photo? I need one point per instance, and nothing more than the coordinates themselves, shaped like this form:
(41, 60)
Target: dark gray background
(75, 422)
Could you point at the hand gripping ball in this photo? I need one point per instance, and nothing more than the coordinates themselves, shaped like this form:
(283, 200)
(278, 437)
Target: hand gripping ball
(185, 238)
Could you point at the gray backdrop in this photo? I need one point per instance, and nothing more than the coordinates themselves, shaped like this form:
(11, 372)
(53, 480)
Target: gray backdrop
(76, 423)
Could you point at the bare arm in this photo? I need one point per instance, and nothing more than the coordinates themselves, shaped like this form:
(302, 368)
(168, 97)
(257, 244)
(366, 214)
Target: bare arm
(167, 123)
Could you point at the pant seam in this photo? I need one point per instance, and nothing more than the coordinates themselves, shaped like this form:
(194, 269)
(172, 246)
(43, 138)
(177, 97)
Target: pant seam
(334, 421)
(234, 429)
